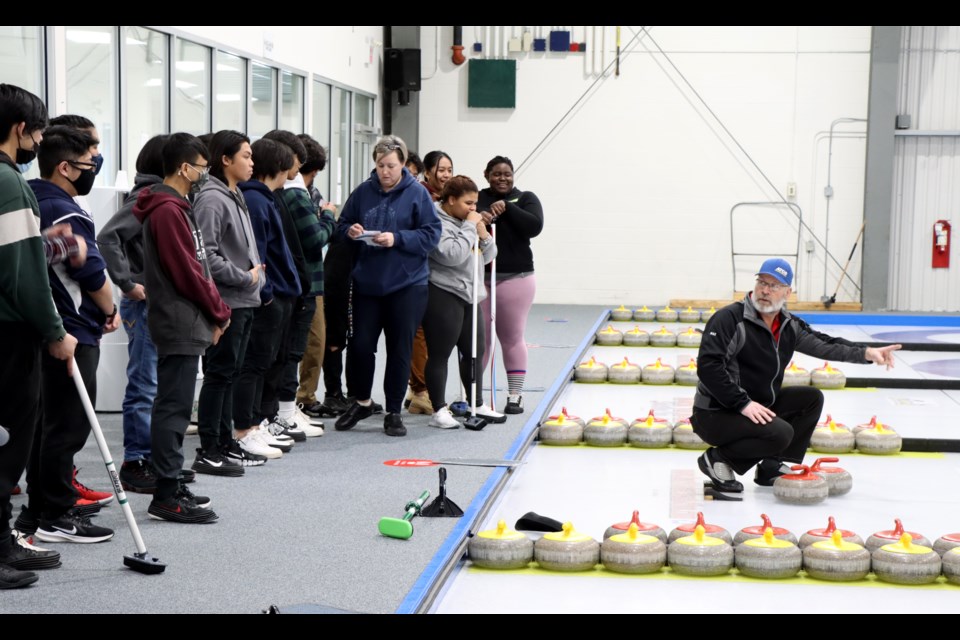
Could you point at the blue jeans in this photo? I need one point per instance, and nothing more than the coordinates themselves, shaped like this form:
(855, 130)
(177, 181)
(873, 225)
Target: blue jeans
(141, 380)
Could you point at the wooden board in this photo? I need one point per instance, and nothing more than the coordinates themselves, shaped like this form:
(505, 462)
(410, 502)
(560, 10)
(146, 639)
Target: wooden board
(792, 303)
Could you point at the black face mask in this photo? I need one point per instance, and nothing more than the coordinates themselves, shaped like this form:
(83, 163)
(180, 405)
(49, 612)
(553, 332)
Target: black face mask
(26, 156)
(98, 160)
(84, 183)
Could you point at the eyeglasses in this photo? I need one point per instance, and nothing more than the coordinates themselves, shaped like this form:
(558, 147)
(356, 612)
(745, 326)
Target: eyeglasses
(201, 169)
(83, 166)
(770, 286)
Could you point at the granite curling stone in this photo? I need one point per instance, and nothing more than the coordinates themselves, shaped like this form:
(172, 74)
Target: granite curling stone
(591, 371)
(946, 542)
(712, 530)
(566, 550)
(624, 372)
(839, 481)
(644, 314)
(645, 528)
(684, 437)
(687, 374)
(951, 565)
(650, 433)
(700, 555)
(768, 557)
(709, 313)
(828, 377)
(866, 425)
(890, 536)
(836, 559)
(906, 562)
(636, 337)
(657, 373)
(560, 431)
(500, 548)
(568, 417)
(749, 533)
(663, 337)
(621, 314)
(819, 535)
(609, 337)
(879, 441)
(605, 431)
(689, 315)
(633, 552)
(794, 376)
(832, 438)
(667, 314)
(689, 339)
(802, 487)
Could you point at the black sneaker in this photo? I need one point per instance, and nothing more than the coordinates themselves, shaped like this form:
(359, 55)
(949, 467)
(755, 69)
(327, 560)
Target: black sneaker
(376, 407)
(201, 501)
(26, 557)
(235, 452)
(216, 464)
(393, 425)
(514, 405)
(333, 406)
(27, 522)
(72, 527)
(768, 470)
(281, 426)
(187, 475)
(16, 579)
(137, 476)
(354, 414)
(179, 509)
(312, 409)
(719, 472)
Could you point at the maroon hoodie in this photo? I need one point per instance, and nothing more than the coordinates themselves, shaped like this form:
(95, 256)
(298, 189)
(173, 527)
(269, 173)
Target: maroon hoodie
(182, 300)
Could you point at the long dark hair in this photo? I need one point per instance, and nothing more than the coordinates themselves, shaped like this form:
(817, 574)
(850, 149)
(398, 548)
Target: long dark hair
(224, 143)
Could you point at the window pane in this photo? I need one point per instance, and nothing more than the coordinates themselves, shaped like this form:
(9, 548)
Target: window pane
(263, 100)
(321, 131)
(145, 58)
(364, 110)
(192, 92)
(21, 58)
(291, 116)
(231, 88)
(364, 137)
(339, 157)
(91, 88)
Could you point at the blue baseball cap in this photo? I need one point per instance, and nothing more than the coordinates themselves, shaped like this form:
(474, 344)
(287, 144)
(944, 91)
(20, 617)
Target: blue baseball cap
(777, 268)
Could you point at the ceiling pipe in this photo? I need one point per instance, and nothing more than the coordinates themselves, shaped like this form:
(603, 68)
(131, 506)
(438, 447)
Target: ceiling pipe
(457, 47)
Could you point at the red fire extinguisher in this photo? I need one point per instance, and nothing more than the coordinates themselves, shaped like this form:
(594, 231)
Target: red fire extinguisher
(941, 244)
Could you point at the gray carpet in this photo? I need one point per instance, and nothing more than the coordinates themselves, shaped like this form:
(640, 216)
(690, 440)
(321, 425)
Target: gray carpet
(300, 532)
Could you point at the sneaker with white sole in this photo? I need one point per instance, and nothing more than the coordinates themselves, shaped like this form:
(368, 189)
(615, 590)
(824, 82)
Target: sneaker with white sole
(311, 427)
(443, 419)
(490, 415)
(72, 527)
(290, 428)
(253, 444)
(270, 440)
(235, 452)
(192, 430)
(314, 420)
(215, 463)
(281, 431)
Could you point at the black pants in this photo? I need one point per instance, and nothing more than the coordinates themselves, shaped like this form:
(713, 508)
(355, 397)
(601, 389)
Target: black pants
(448, 322)
(63, 432)
(397, 315)
(301, 319)
(19, 410)
(176, 383)
(336, 313)
(221, 366)
(741, 443)
(271, 325)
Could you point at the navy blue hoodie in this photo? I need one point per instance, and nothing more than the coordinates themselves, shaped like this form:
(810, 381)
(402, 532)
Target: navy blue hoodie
(281, 275)
(407, 211)
(82, 318)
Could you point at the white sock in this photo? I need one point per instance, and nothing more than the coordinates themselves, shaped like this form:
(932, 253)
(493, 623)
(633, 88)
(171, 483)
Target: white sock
(365, 403)
(286, 410)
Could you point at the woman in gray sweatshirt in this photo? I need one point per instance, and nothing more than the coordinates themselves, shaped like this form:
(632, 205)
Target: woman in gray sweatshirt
(448, 321)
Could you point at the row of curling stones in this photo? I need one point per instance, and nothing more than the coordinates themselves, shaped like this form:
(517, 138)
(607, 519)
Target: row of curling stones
(593, 371)
(825, 377)
(812, 484)
(666, 314)
(637, 337)
(702, 549)
(872, 438)
(650, 432)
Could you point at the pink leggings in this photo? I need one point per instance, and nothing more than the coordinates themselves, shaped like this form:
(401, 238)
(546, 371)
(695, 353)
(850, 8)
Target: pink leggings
(514, 299)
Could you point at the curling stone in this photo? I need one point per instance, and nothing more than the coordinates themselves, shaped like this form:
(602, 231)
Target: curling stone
(689, 339)
(889, 536)
(624, 372)
(621, 314)
(951, 565)
(769, 557)
(700, 555)
(866, 425)
(689, 315)
(832, 438)
(819, 535)
(685, 437)
(803, 487)
(633, 552)
(748, 533)
(560, 431)
(879, 441)
(687, 374)
(644, 528)
(946, 542)
(591, 371)
(663, 337)
(500, 548)
(827, 377)
(839, 481)
(712, 530)
(605, 431)
(636, 337)
(609, 337)
(650, 433)
(568, 417)
(794, 376)
(836, 559)
(657, 373)
(667, 314)
(644, 315)
(566, 550)
(706, 315)
(906, 562)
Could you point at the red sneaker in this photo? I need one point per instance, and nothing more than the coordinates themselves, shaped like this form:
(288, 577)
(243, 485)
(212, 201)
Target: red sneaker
(86, 507)
(86, 493)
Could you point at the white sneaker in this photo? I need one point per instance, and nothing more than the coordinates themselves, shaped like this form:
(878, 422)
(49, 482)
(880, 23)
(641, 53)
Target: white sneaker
(270, 440)
(443, 419)
(311, 427)
(251, 443)
(26, 542)
(490, 415)
(192, 430)
(317, 422)
(280, 429)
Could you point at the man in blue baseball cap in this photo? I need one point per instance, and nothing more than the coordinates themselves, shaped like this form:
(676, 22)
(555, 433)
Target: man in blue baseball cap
(739, 408)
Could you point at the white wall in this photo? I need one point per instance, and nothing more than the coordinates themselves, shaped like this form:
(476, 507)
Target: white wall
(638, 183)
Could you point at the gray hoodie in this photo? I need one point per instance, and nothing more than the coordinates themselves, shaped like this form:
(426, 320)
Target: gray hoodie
(229, 242)
(451, 263)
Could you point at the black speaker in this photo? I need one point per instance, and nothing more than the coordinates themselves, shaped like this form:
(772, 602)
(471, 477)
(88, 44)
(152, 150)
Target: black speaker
(401, 70)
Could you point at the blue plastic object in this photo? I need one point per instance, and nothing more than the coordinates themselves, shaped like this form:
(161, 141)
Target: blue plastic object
(559, 41)
(477, 47)
(539, 44)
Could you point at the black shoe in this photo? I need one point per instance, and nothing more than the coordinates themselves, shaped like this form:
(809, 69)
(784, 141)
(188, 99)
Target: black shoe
(215, 463)
(354, 414)
(184, 493)
(312, 409)
(719, 472)
(180, 509)
(187, 475)
(393, 425)
(376, 407)
(235, 452)
(15, 579)
(768, 470)
(514, 405)
(26, 557)
(333, 406)
(27, 522)
(72, 527)
(137, 476)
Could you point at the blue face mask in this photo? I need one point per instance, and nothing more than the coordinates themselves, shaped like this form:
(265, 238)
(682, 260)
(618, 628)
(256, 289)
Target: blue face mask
(97, 160)
(25, 167)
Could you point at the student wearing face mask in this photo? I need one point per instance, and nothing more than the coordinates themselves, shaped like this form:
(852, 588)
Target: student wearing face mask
(84, 299)
(84, 125)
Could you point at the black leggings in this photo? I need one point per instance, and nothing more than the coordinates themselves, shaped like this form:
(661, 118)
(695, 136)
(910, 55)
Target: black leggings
(741, 443)
(448, 322)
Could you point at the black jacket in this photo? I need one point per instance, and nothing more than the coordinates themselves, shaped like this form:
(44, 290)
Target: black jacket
(522, 220)
(739, 360)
